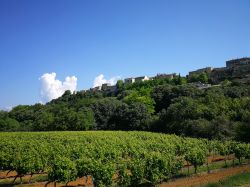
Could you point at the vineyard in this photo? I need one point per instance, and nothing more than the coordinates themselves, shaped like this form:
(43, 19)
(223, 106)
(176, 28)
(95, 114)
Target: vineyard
(110, 158)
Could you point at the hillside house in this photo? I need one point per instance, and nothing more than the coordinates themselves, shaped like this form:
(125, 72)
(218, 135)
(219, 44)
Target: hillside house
(141, 79)
(97, 88)
(129, 80)
(105, 86)
(165, 76)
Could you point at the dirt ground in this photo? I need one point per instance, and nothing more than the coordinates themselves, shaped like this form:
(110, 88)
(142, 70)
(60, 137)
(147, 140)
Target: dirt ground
(84, 181)
(4, 175)
(204, 178)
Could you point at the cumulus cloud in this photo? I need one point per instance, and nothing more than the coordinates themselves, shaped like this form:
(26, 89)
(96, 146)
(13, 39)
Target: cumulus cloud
(7, 108)
(52, 88)
(99, 80)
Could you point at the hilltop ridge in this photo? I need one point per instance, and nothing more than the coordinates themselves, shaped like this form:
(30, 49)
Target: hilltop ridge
(194, 106)
(237, 70)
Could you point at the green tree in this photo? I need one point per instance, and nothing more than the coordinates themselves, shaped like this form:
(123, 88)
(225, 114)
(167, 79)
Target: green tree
(85, 119)
(9, 124)
(43, 121)
(141, 97)
(131, 117)
(198, 77)
(103, 110)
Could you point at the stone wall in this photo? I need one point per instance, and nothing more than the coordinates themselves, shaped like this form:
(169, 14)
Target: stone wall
(220, 74)
(241, 71)
(163, 76)
(237, 62)
(235, 72)
(198, 71)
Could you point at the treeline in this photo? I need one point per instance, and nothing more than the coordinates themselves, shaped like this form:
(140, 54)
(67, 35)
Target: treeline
(160, 105)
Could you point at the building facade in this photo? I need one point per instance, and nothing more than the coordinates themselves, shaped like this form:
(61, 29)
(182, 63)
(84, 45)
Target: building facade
(237, 62)
(237, 70)
(129, 80)
(165, 76)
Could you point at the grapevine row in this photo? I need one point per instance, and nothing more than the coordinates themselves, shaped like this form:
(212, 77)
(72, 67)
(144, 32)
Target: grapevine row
(110, 158)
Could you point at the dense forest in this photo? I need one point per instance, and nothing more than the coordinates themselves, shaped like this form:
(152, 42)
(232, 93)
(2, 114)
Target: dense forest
(174, 106)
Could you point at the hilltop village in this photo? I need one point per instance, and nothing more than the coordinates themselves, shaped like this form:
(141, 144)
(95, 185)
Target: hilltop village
(112, 88)
(237, 70)
(208, 103)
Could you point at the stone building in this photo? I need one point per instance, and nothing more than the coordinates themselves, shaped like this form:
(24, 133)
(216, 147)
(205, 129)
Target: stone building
(237, 62)
(97, 88)
(129, 80)
(167, 76)
(105, 86)
(141, 79)
(112, 88)
(237, 70)
(219, 74)
(136, 79)
(108, 88)
(202, 70)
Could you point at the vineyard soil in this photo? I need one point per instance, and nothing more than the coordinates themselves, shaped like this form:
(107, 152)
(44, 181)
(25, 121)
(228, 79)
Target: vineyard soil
(205, 178)
(194, 180)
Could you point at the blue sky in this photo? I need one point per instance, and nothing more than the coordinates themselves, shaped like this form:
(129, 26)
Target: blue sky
(86, 38)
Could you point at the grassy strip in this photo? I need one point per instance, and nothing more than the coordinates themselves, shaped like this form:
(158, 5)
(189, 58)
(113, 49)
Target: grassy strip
(236, 180)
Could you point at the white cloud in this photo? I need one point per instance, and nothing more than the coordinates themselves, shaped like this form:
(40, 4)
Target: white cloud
(51, 88)
(7, 108)
(99, 80)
